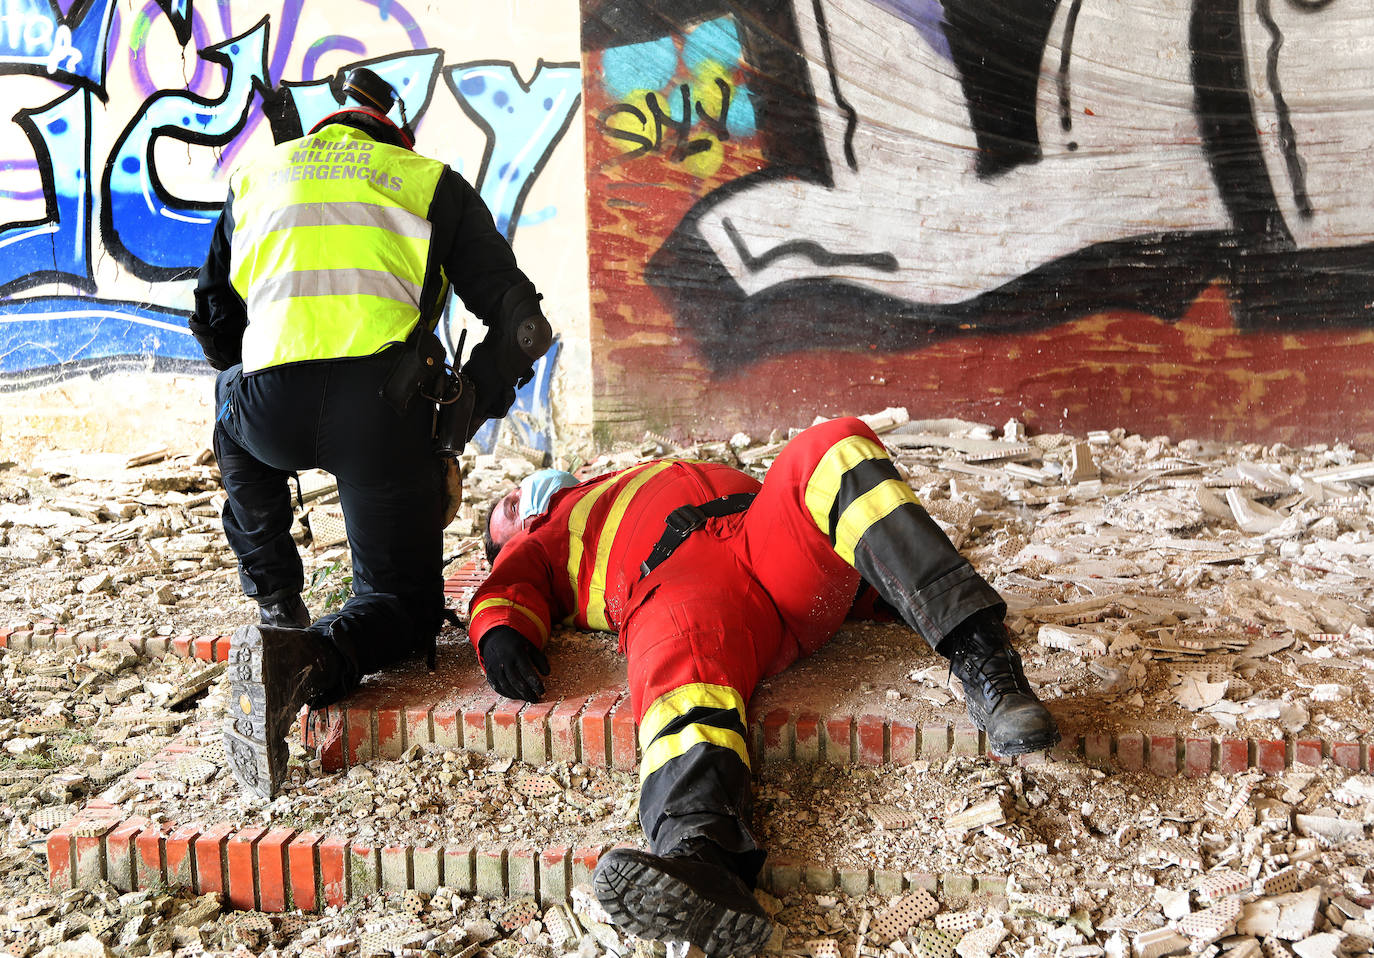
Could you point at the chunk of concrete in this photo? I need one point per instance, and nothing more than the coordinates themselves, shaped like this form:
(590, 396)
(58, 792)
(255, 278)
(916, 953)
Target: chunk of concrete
(1298, 914)
(1158, 943)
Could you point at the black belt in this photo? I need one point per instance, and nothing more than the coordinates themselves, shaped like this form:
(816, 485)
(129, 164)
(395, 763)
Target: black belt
(684, 520)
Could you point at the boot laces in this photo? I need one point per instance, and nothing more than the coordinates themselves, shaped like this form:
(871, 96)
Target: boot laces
(993, 669)
(998, 675)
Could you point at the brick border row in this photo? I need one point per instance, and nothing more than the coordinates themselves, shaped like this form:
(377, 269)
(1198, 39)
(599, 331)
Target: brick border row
(207, 648)
(279, 869)
(600, 731)
(274, 869)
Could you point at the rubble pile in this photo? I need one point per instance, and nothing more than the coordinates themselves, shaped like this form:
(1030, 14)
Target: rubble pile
(1217, 588)
(115, 547)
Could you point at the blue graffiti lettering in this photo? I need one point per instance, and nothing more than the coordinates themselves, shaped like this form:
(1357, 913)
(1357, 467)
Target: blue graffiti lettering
(55, 249)
(154, 235)
(160, 237)
(34, 38)
(55, 331)
(523, 123)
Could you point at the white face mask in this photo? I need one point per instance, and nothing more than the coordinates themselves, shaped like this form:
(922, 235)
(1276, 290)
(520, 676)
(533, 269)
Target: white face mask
(538, 488)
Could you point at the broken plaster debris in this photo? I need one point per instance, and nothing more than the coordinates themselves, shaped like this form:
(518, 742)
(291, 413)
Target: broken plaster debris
(100, 554)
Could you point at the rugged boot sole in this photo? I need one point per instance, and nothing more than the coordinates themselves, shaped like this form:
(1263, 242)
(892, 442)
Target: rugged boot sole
(1016, 745)
(260, 712)
(650, 903)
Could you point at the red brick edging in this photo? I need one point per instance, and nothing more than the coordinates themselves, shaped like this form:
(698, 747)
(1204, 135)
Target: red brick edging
(600, 731)
(281, 869)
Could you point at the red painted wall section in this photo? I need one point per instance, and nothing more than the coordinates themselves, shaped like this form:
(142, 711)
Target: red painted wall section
(1118, 277)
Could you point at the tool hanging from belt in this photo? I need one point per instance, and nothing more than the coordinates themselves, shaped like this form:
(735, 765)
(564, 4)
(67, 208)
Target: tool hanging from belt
(684, 520)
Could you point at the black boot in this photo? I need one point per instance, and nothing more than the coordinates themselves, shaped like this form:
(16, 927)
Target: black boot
(1000, 700)
(272, 673)
(687, 895)
(289, 613)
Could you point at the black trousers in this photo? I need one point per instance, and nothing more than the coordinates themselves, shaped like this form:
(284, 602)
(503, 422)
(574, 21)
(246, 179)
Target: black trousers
(329, 415)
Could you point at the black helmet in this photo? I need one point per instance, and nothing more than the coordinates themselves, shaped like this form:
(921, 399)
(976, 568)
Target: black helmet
(365, 88)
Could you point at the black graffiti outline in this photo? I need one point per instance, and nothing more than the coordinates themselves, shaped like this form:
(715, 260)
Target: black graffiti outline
(818, 254)
(851, 116)
(1288, 137)
(685, 145)
(718, 124)
(644, 145)
(1226, 123)
(997, 50)
(24, 119)
(1158, 274)
(108, 234)
(1065, 53)
(489, 133)
(178, 13)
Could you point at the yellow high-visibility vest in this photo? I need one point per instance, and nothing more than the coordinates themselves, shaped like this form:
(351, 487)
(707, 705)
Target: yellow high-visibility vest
(330, 246)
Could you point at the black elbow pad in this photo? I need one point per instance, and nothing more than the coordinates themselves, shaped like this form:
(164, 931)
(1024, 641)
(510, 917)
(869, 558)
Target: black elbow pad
(530, 332)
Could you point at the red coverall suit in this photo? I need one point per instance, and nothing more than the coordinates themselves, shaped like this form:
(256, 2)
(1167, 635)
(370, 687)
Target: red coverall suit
(740, 599)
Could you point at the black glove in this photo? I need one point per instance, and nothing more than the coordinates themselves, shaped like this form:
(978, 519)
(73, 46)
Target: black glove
(510, 660)
(220, 351)
(495, 390)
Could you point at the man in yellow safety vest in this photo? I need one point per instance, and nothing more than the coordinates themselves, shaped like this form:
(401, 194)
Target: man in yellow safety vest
(329, 268)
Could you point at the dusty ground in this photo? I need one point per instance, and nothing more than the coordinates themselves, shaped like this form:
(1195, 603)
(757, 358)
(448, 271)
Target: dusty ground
(1180, 583)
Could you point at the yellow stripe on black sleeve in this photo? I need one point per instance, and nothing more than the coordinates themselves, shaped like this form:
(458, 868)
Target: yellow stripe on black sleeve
(668, 747)
(688, 716)
(824, 484)
(683, 699)
(873, 506)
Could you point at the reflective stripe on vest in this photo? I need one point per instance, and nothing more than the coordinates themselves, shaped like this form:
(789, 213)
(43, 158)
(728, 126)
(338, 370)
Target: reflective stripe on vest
(330, 246)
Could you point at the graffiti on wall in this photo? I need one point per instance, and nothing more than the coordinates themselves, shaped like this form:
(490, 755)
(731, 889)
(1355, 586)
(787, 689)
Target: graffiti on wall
(915, 171)
(686, 120)
(101, 277)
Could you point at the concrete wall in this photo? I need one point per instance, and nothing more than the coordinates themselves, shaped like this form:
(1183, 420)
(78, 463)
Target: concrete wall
(129, 116)
(1084, 213)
